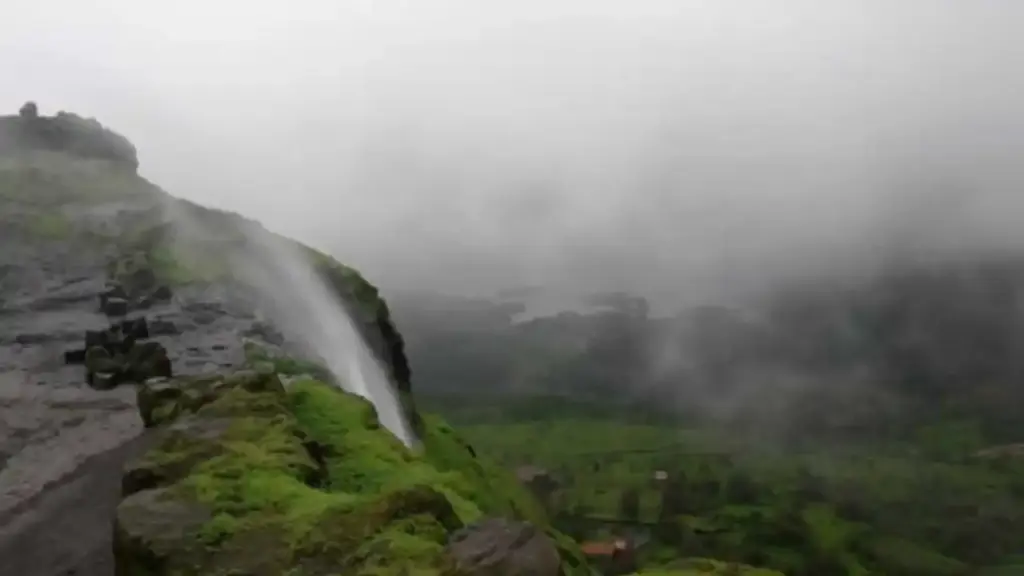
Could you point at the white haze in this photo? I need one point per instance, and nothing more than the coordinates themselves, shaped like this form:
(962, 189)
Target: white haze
(688, 149)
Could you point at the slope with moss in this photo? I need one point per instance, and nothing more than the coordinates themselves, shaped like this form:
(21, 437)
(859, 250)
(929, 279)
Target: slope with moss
(250, 477)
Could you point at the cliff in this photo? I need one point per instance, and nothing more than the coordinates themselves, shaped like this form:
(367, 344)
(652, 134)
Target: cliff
(129, 317)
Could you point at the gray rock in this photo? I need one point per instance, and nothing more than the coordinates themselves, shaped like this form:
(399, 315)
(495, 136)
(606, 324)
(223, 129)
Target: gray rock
(115, 307)
(501, 547)
(155, 525)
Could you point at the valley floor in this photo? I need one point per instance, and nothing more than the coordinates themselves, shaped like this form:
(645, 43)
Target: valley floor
(926, 508)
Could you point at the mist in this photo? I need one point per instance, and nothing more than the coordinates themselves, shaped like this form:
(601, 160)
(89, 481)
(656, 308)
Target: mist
(684, 150)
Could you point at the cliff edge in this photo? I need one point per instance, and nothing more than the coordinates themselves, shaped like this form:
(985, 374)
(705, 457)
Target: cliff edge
(149, 338)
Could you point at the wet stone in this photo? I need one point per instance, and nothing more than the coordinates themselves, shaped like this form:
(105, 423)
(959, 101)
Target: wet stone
(137, 328)
(98, 359)
(143, 279)
(75, 356)
(161, 294)
(95, 338)
(104, 380)
(163, 328)
(113, 291)
(116, 307)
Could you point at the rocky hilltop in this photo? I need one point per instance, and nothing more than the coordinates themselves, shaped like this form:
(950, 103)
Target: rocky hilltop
(150, 381)
(65, 132)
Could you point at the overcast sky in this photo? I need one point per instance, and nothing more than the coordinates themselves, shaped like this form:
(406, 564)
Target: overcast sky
(673, 146)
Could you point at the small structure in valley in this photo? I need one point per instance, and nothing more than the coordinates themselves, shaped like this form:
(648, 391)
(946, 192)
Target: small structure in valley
(612, 557)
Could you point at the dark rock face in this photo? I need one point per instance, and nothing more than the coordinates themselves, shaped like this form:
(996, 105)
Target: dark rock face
(500, 547)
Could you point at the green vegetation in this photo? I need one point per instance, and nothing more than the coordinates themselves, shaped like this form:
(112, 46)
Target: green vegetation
(836, 426)
(884, 509)
(299, 482)
(706, 567)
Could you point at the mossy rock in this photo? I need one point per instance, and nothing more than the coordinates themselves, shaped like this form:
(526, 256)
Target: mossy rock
(154, 531)
(255, 479)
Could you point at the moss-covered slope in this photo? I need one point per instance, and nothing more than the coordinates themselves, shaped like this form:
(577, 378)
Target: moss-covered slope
(248, 477)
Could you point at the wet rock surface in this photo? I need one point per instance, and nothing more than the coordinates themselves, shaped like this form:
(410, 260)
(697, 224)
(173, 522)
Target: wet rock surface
(68, 419)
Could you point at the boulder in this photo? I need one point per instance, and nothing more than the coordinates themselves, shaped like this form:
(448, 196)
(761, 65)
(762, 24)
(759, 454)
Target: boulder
(163, 328)
(105, 369)
(154, 532)
(99, 359)
(145, 361)
(137, 328)
(501, 547)
(161, 294)
(76, 356)
(142, 279)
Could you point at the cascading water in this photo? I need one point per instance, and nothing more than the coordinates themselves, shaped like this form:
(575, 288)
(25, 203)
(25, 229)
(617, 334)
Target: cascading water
(297, 301)
(300, 303)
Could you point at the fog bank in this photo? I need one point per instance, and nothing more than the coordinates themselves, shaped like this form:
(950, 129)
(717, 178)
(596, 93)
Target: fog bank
(688, 150)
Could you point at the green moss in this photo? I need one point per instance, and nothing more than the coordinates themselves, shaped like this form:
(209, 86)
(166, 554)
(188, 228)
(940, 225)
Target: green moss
(306, 482)
(346, 281)
(255, 355)
(362, 456)
(495, 489)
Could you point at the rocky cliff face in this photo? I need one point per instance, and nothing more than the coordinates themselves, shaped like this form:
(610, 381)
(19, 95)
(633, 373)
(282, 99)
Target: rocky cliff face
(133, 336)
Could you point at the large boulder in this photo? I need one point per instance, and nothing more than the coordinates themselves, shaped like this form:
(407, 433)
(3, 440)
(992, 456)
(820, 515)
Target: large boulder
(500, 547)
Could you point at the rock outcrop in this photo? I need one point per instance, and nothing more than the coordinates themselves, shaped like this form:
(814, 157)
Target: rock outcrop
(499, 547)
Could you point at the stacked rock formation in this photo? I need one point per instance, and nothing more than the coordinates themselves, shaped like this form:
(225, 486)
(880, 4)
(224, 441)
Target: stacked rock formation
(115, 355)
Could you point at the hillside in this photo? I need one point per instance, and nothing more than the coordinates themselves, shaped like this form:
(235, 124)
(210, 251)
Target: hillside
(212, 362)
